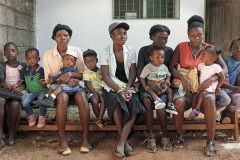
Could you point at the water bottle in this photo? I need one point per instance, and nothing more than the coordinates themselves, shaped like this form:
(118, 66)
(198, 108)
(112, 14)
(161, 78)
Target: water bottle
(181, 91)
(226, 79)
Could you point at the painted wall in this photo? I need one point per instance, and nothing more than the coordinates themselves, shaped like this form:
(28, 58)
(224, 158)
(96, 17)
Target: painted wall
(90, 19)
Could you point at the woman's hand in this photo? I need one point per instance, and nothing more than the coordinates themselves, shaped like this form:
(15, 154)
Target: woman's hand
(187, 87)
(73, 82)
(236, 89)
(122, 94)
(204, 85)
(64, 78)
(50, 79)
(154, 86)
(128, 94)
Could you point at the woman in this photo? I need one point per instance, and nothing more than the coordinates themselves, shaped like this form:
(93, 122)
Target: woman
(52, 62)
(188, 54)
(124, 107)
(157, 33)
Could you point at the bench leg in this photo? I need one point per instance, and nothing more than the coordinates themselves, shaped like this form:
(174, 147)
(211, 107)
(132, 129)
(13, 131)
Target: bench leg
(234, 118)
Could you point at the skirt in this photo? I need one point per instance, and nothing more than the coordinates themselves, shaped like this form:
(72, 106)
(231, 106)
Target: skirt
(134, 106)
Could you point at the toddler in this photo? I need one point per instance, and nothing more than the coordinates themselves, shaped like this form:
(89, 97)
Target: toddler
(158, 72)
(69, 61)
(207, 69)
(93, 79)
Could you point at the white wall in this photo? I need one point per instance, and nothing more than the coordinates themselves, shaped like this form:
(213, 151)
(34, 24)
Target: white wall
(90, 19)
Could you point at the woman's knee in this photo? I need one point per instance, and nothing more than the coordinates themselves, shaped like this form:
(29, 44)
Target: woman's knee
(179, 104)
(147, 103)
(62, 100)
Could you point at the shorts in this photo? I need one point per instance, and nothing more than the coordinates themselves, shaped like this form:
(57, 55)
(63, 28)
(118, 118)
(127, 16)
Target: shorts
(68, 89)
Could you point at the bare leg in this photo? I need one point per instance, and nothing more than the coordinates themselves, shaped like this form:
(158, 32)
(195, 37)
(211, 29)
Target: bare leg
(95, 106)
(102, 108)
(84, 113)
(152, 94)
(50, 90)
(200, 98)
(195, 100)
(179, 104)
(61, 115)
(149, 122)
(2, 104)
(169, 94)
(162, 119)
(13, 118)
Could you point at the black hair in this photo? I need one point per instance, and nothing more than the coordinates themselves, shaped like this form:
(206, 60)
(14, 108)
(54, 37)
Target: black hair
(30, 50)
(216, 50)
(10, 43)
(231, 45)
(157, 46)
(195, 21)
(158, 28)
(59, 27)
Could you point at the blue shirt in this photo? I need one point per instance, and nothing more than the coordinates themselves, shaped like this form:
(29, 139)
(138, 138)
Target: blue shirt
(233, 70)
(62, 71)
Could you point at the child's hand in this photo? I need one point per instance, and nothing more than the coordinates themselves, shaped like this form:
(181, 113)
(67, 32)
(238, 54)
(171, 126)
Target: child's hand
(50, 79)
(14, 86)
(16, 90)
(168, 82)
(217, 91)
(146, 88)
(6, 86)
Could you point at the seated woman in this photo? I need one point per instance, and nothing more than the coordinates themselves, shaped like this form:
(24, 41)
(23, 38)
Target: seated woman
(157, 33)
(124, 107)
(52, 62)
(232, 88)
(189, 54)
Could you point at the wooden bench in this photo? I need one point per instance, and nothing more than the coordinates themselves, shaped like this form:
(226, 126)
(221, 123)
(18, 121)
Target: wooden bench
(232, 129)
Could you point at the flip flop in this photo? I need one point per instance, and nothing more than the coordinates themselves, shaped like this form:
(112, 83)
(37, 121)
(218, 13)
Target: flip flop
(85, 149)
(65, 152)
(117, 153)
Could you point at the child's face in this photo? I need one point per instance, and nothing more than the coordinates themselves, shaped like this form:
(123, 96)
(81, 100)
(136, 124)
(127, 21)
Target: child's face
(32, 59)
(11, 52)
(90, 61)
(158, 57)
(68, 61)
(208, 57)
(236, 51)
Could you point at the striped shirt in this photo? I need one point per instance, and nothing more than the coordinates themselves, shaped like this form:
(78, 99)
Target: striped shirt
(95, 79)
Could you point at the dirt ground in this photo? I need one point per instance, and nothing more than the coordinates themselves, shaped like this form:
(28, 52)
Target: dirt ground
(43, 145)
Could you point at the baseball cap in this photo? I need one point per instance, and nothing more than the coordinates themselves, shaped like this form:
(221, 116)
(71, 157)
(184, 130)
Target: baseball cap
(74, 54)
(89, 52)
(117, 24)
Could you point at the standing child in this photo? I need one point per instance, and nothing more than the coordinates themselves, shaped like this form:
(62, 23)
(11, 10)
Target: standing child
(158, 72)
(69, 60)
(33, 76)
(207, 69)
(9, 75)
(93, 79)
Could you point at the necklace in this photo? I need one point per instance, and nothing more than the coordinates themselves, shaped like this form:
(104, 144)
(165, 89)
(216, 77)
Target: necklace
(195, 54)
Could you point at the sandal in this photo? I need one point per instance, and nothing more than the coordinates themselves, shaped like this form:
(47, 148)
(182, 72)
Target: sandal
(128, 152)
(151, 146)
(166, 143)
(65, 152)
(209, 151)
(117, 153)
(2, 143)
(180, 143)
(85, 149)
(100, 124)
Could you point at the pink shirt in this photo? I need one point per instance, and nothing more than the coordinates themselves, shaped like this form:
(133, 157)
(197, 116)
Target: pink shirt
(12, 75)
(52, 61)
(208, 71)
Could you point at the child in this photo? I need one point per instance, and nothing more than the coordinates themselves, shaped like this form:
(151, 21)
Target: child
(69, 60)
(232, 88)
(158, 72)
(33, 76)
(9, 75)
(93, 79)
(207, 69)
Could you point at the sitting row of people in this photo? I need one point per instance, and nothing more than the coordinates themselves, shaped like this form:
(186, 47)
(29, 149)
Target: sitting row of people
(156, 64)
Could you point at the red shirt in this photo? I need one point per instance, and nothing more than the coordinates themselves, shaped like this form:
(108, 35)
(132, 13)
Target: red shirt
(186, 59)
